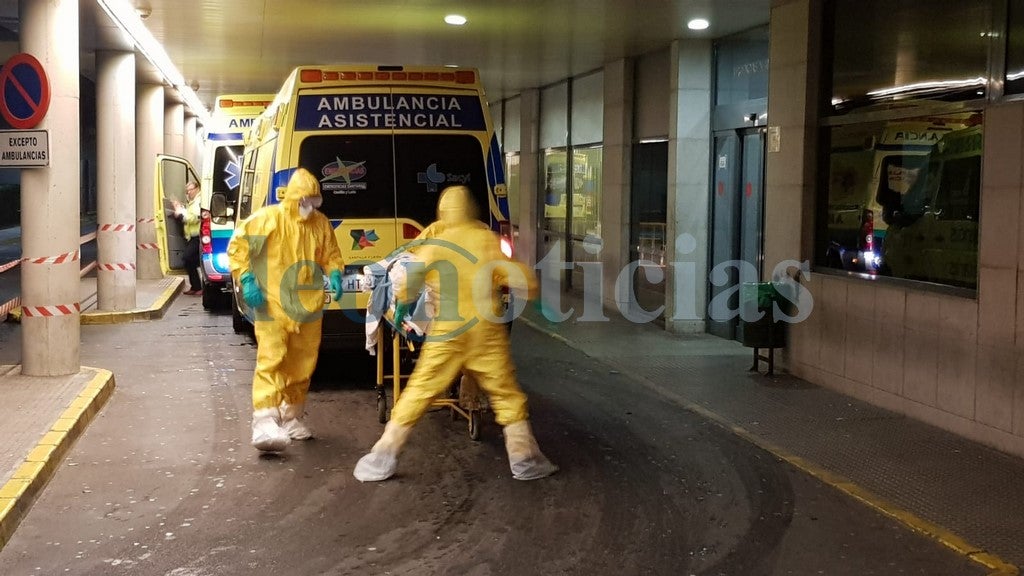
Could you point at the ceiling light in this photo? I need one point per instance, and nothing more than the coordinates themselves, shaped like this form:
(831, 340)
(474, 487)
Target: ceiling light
(455, 19)
(698, 24)
(125, 17)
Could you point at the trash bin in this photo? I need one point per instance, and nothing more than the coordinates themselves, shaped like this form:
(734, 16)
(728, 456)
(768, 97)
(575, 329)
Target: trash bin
(758, 300)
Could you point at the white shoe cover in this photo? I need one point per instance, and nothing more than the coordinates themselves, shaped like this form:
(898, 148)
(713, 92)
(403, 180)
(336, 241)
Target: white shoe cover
(375, 466)
(524, 456)
(267, 434)
(292, 423)
(382, 461)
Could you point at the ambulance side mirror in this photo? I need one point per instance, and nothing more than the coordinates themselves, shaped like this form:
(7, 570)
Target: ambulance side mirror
(219, 206)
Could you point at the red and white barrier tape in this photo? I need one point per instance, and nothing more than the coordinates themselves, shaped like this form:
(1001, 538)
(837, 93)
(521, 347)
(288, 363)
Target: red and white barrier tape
(117, 267)
(9, 265)
(146, 220)
(117, 228)
(86, 269)
(11, 304)
(60, 259)
(149, 246)
(50, 311)
(87, 237)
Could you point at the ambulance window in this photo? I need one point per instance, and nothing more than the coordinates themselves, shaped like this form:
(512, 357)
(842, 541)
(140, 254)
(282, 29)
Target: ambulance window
(425, 164)
(356, 174)
(958, 194)
(245, 204)
(227, 168)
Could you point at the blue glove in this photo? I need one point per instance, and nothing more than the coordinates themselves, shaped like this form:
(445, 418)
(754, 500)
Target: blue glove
(336, 286)
(401, 311)
(251, 291)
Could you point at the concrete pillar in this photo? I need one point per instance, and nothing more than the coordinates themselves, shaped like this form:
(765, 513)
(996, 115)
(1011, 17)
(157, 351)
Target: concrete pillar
(115, 171)
(149, 142)
(174, 125)
(529, 172)
(616, 173)
(191, 134)
(792, 139)
(50, 199)
(689, 180)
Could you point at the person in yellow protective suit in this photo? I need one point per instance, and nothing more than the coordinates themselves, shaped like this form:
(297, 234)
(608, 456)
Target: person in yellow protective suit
(465, 265)
(278, 257)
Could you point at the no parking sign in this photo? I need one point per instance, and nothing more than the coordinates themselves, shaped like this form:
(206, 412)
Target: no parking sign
(24, 91)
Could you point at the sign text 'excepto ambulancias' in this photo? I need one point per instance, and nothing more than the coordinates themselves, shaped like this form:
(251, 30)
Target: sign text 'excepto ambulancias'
(24, 148)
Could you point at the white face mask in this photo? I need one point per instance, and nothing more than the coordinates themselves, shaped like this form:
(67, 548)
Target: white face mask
(305, 211)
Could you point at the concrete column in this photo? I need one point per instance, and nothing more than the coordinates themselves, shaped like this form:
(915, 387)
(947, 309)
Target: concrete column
(529, 172)
(50, 199)
(191, 134)
(689, 180)
(149, 142)
(791, 159)
(174, 125)
(616, 172)
(791, 166)
(115, 171)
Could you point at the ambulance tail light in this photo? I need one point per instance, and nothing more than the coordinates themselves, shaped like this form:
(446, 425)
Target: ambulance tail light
(867, 241)
(205, 242)
(505, 231)
(409, 231)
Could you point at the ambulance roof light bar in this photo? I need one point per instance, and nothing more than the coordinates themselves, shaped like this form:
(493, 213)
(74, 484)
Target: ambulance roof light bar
(127, 19)
(387, 73)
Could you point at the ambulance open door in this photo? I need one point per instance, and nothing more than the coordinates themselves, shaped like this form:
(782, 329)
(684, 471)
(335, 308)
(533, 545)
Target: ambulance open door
(171, 175)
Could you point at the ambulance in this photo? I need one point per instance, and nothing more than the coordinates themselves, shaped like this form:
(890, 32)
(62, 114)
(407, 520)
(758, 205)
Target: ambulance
(221, 174)
(939, 241)
(384, 141)
(233, 115)
(867, 165)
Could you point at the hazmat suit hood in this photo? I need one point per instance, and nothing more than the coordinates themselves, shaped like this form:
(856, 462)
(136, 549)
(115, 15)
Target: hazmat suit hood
(456, 206)
(303, 188)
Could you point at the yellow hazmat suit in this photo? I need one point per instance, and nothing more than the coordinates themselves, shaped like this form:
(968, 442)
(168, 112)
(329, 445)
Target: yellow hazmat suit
(284, 250)
(464, 264)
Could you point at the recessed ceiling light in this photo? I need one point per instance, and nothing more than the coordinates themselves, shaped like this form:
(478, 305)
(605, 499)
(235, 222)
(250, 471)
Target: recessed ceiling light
(455, 19)
(698, 24)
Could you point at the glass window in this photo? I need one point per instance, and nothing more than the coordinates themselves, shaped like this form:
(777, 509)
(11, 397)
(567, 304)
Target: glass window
(586, 185)
(512, 181)
(227, 168)
(742, 67)
(903, 198)
(358, 174)
(1015, 49)
(553, 218)
(885, 51)
(427, 164)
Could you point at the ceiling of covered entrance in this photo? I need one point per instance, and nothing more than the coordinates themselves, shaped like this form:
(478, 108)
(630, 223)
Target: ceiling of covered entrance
(247, 46)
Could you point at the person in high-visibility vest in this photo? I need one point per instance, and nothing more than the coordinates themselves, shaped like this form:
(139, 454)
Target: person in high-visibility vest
(190, 216)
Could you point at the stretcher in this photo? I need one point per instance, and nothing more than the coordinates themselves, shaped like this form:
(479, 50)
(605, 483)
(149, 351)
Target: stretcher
(384, 341)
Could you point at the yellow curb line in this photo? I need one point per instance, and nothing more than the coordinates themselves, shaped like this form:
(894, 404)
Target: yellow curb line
(28, 481)
(907, 518)
(156, 311)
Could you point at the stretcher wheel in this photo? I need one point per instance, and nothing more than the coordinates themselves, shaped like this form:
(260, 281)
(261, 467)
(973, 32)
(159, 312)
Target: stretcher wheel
(382, 408)
(474, 424)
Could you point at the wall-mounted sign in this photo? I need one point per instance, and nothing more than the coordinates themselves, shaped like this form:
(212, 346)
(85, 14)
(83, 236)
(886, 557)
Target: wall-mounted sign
(24, 148)
(24, 91)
